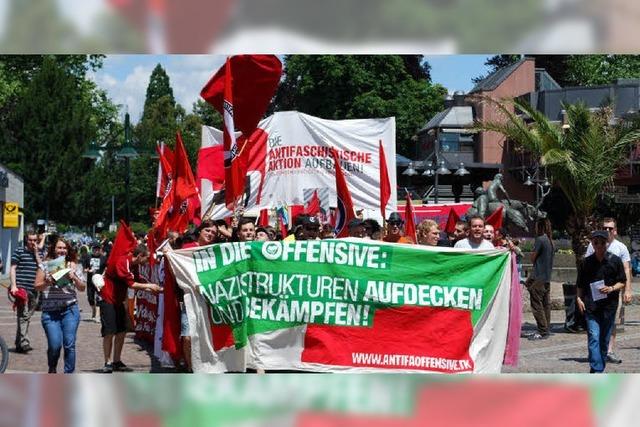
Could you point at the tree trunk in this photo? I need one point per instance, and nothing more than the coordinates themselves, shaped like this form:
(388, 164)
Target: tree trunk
(579, 228)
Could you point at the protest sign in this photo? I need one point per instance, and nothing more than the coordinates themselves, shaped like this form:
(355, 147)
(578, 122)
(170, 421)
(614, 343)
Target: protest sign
(345, 305)
(290, 153)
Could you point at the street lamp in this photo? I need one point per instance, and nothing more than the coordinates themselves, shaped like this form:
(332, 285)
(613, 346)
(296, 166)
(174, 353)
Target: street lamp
(127, 152)
(543, 186)
(410, 171)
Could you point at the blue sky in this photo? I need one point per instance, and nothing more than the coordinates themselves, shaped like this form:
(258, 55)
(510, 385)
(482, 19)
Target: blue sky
(125, 77)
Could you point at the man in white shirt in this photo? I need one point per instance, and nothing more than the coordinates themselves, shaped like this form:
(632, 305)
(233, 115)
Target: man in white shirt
(619, 249)
(475, 240)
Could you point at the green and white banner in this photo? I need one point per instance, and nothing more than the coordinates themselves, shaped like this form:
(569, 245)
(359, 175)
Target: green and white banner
(345, 305)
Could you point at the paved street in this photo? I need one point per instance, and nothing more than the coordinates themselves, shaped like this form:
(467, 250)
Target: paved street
(561, 353)
(88, 348)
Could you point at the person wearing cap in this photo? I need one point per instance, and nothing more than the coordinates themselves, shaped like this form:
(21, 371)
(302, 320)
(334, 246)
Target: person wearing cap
(310, 228)
(356, 228)
(618, 248)
(601, 277)
(394, 229)
(475, 239)
(262, 235)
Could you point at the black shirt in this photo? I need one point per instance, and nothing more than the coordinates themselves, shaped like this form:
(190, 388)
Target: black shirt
(610, 270)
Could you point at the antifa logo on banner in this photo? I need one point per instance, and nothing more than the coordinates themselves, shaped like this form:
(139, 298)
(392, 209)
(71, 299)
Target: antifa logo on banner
(183, 207)
(169, 185)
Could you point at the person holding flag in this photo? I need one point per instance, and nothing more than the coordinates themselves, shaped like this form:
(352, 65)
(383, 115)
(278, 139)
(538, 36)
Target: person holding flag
(119, 276)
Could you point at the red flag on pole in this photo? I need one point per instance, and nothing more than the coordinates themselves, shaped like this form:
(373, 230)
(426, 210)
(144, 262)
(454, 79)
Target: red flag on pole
(452, 219)
(263, 221)
(344, 212)
(385, 184)
(313, 207)
(409, 221)
(495, 218)
(181, 203)
(165, 170)
(124, 243)
(241, 92)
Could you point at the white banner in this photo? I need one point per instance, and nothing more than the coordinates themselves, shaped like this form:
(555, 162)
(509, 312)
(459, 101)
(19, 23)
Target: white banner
(296, 159)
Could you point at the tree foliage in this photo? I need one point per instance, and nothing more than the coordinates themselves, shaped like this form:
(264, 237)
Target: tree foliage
(582, 159)
(362, 86)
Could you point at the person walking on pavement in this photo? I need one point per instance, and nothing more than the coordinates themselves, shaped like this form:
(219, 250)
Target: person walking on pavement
(539, 284)
(118, 278)
(600, 279)
(618, 248)
(94, 264)
(60, 312)
(22, 276)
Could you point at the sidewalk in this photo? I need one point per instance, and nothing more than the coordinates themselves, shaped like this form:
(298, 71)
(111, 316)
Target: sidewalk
(557, 297)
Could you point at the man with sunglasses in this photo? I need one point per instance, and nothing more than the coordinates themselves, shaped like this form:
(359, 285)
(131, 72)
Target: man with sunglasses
(619, 249)
(394, 229)
(601, 277)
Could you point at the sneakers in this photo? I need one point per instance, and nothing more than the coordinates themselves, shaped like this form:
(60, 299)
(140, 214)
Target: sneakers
(107, 368)
(537, 336)
(612, 358)
(121, 367)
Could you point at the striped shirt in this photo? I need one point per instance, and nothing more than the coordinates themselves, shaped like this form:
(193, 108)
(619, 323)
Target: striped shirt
(26, 266)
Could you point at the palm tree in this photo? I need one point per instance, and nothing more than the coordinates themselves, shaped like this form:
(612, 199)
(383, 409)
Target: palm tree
(582, 156)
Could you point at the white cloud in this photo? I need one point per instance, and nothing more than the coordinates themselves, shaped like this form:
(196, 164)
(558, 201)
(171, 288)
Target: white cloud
(187, 74)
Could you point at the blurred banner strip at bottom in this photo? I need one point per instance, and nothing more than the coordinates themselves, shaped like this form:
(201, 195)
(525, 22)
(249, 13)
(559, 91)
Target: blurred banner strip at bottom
(304, 400)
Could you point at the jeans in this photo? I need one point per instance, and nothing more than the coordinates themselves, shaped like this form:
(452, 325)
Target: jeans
(61, 327)
(599, 328)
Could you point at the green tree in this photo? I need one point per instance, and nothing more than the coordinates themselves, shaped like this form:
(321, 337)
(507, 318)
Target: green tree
(50, 128)
(591, 70)
(159, 87)
(361, 86)
(581, 159)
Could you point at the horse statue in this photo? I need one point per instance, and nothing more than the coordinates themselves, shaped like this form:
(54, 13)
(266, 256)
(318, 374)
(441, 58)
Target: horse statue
(514, 212)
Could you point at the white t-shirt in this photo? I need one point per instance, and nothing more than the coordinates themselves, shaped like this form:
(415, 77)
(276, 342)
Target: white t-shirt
(466, 244)
(616, 247)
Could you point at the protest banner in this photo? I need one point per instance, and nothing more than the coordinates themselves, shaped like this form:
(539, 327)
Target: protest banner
(291, 155)
(146, 314)
(345, 305)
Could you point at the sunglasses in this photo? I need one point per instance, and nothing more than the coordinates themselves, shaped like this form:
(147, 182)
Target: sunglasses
(395, 223)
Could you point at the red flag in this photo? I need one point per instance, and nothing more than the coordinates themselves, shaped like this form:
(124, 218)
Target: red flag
(344, 212)
(385, 184)
(452, 219)
(296, 210)
(124, 243)
(241, 92)
(495, 218)
(181, 204)
(165, 170)
(313, 207)
(171, 319)
(263, 221)
(409, 221)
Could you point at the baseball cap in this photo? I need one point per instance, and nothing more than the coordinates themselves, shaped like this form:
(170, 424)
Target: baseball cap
(311, 221)
(600, 233)
(355, 222)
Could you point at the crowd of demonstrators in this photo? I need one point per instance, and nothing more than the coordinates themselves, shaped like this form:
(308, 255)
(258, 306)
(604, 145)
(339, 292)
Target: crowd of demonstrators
(59, 303)
(617, 248)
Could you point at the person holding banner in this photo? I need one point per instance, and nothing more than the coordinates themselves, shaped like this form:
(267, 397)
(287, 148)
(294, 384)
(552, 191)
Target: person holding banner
(246, 231)
(394, 229)
(428, 233)
(601, 277)
(476, 239)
